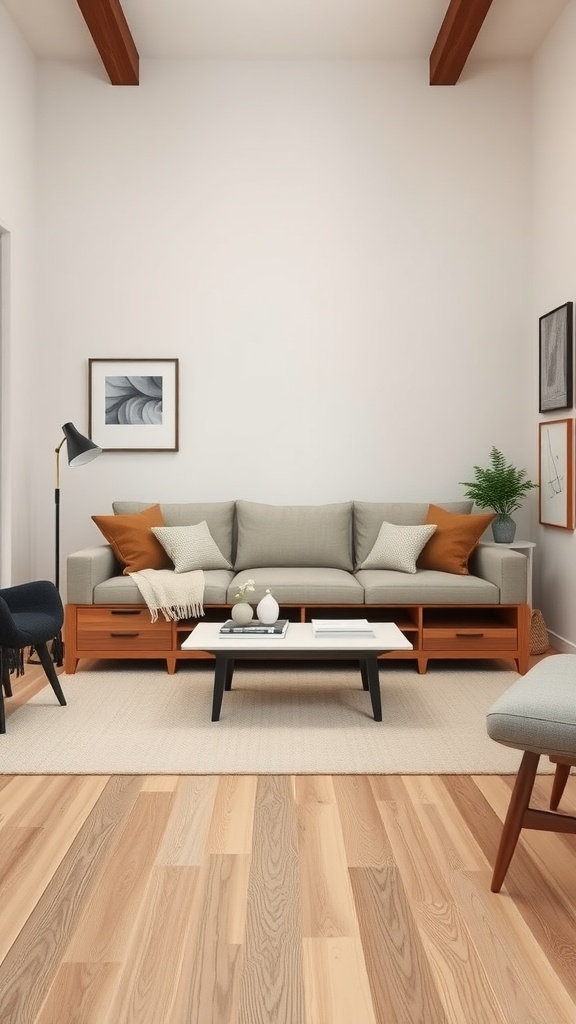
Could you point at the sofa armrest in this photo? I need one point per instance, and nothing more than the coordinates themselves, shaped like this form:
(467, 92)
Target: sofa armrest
(506, 569)
(86, 569)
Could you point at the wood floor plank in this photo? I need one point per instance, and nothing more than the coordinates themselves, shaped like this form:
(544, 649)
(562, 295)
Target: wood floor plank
(40, 852)
(185, 836)
(403, 987)
(336, 982)
(445, 829)
(80, 993)
(108, 919)
(60, 796)
(29, 967)
(525, 983)
(233, 814)
(146, 983)
(463, 985)
(327, 902)
(159, 783)
(365, 840)
(16, 795)
(208, 991)
(272, 985)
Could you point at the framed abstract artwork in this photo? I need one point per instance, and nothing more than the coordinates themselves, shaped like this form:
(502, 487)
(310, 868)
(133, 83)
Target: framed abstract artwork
(133, 404)
(556, 443)
(556, 358)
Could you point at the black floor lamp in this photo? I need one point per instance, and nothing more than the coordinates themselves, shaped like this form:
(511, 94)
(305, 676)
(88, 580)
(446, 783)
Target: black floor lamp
(80, 450)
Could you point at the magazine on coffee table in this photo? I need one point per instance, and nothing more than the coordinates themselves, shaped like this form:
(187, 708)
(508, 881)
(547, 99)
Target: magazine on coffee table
(255, 629)
(342, 628)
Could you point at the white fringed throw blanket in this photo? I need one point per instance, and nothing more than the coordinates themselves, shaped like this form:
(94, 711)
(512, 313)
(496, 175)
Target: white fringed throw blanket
(178, 595)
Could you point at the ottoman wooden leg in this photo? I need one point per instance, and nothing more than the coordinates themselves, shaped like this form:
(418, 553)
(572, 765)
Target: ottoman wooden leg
(559, 784)
(515, 817)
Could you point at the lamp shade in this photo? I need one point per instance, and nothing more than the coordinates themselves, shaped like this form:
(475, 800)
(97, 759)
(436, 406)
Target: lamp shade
(80, 449)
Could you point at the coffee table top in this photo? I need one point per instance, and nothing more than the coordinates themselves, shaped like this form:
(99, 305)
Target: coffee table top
(299, 637)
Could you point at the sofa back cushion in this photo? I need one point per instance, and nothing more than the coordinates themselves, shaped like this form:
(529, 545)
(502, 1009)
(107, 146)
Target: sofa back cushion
(219, 515)
(369, 516)
(294, 536)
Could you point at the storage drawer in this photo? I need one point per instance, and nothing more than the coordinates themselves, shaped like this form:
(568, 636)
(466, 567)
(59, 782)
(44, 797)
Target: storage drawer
(469, 638)
(107, 629)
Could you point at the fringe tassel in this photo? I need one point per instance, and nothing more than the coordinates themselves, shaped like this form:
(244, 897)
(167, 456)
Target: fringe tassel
(13, 660)
(178, 611)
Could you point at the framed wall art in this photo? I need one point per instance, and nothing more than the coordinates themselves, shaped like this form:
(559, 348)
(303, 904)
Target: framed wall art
(556, 360)
(556, 441)
(133, 404)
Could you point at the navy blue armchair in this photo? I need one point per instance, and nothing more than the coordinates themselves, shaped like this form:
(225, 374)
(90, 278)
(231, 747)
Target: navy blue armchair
(31, 615)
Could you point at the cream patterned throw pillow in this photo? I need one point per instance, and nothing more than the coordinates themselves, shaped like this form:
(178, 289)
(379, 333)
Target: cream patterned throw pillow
(397, 547)
(191, 547)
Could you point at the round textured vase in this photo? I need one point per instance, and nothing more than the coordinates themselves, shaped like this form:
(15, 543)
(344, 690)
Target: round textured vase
(503, 529)
(267, 609)
(242, 613)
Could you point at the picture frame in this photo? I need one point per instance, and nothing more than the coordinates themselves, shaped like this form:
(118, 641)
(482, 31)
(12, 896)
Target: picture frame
(556, 358)
(133, 404)
(555, 461)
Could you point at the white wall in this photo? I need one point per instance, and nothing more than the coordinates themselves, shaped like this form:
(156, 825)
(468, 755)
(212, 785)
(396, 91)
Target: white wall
(19, 384)
(336, 252)
(554, 248)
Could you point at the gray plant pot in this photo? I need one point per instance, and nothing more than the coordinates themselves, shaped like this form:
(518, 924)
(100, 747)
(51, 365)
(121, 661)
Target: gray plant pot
(503, 529)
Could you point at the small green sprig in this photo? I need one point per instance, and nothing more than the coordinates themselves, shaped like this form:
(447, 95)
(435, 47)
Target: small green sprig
(244, 590)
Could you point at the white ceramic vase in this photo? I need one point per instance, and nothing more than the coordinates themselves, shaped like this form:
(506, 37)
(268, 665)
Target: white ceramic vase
(267, 609)
(242, 613)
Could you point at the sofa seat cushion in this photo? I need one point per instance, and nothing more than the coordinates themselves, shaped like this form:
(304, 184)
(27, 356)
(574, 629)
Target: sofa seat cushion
(426, 586)
(369, 515)
(218, 514)
(122, 590)
(319, 536)
(300, 586)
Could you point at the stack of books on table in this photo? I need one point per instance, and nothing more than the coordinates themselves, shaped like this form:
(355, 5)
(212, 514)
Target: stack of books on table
(254, 629)
(349, 628)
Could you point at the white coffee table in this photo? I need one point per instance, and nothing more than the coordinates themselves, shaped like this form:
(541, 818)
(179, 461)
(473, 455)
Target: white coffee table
(299, 643)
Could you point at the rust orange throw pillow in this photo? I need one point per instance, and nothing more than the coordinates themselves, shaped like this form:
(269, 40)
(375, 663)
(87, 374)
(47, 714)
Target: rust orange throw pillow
(453, 540)
(132, 540)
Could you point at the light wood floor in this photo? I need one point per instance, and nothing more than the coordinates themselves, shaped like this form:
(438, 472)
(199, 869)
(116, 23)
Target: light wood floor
(278, 900)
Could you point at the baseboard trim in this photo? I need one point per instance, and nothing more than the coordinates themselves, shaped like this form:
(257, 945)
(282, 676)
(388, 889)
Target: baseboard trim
(560, 644)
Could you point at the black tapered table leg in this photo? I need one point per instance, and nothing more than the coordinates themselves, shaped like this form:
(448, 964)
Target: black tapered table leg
(371, 664)
(220, 677)
(364, 675)
(229, 674)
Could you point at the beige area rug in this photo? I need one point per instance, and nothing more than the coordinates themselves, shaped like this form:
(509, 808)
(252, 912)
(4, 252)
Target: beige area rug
(282, 719)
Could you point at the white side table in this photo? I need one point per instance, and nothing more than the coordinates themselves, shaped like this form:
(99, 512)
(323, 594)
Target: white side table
(527, 548)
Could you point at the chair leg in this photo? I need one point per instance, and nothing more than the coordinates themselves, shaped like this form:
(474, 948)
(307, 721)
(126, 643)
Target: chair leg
(48, 667)
(5, 683)
(515, 817)
(559, 784)
(2, 713)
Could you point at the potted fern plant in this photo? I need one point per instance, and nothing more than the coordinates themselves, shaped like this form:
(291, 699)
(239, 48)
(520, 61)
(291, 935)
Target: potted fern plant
(502, 488)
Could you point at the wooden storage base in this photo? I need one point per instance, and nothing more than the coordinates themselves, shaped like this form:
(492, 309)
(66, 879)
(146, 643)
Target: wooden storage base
(435, 631)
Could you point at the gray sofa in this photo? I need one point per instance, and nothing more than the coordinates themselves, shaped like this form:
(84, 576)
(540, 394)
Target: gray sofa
(310, 558)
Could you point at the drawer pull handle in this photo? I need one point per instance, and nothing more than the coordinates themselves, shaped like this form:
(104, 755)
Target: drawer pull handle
(124, 634)
(470, 635)
(126, 611)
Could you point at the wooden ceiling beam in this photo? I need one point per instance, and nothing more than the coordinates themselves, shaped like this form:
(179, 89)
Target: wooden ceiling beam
(113, 40)
(459, 30)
